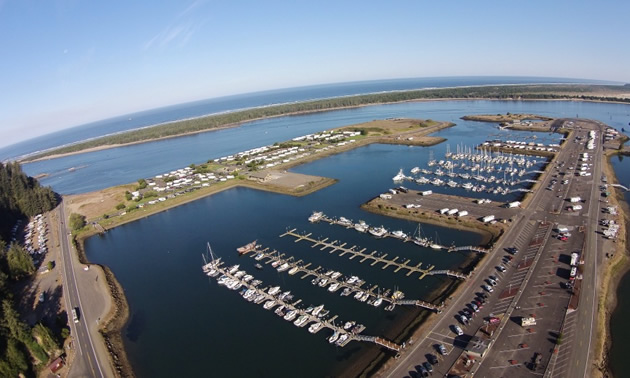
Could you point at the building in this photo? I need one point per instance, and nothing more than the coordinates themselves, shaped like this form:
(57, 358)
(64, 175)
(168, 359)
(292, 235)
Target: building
(477, 346)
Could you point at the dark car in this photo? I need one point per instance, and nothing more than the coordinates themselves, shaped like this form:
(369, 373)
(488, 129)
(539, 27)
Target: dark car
(433, 360)
(427, 365)
(423, 371)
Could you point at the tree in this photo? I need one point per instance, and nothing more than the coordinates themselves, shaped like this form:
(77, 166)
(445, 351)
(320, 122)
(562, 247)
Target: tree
(141, 184)
(128, 196)
(50, 265)
(120, 206)
(19, 262)
(65, 332)
(77, 221)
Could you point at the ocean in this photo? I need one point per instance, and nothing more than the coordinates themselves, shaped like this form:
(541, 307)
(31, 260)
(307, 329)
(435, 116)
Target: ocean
(243, 101)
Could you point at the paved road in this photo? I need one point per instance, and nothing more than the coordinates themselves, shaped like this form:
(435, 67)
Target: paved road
(545, 205)
(86, 363)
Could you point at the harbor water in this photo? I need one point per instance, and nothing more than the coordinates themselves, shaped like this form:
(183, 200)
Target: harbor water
(184, 324)
(619, 329)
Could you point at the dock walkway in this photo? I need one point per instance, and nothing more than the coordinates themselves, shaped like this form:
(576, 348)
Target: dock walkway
(325, 323)
(355, 287)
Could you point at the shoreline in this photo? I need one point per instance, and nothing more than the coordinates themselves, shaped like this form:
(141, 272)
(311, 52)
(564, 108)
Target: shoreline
(303, 112)
(614, 272)
(120, 317)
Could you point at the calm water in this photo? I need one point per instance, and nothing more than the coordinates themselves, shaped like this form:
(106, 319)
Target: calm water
(206, 328)
(249, 100)
(101, 169)
(157, 260)
(619, 329)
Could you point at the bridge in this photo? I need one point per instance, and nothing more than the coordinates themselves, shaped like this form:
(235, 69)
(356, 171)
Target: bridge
(469, 248)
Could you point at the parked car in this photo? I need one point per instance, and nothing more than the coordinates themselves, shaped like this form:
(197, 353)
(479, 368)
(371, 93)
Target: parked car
(433, 360)
(442, 350)
(428, 366)
(501, 269)
(458, 331)
(487, 288)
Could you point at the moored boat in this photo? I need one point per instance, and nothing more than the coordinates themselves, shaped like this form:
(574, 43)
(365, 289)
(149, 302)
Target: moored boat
(246, 248)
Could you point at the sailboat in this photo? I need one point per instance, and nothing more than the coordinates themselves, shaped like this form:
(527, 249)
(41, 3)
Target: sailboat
(210, 267)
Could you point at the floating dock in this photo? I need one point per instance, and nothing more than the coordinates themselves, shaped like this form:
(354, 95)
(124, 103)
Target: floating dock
(355, 287)
(377, 258)
(423, 242)
(325, 323)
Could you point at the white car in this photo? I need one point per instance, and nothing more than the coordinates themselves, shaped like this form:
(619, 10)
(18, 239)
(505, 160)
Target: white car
(487, 288)
(458, 330)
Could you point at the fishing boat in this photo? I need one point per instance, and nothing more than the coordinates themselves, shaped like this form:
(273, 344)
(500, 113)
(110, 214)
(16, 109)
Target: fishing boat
(399, 234)
(246, 248)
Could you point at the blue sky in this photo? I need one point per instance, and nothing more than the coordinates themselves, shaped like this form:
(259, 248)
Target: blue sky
(70, 62)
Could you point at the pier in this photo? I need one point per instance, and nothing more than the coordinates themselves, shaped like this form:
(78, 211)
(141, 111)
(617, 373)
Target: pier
(421, 242)
(321, 273)
(341, 336)
(334, 247)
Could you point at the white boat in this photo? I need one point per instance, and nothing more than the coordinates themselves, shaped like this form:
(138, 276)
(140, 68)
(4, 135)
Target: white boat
(317, 310)
(349, 325)
(399, 234)
(378, 231)
(315, 327)
(435, 246)
(342, 338)
(361, 226)
(290, 315)
(283, 267)
(323, 282)
(346, 291)
(332, 288)
(415, 170)
(335, 275)
(334, 337)
(274, 290)
(344, 222)
(233, 269)
(259, 256)
(364, 297)
(269, 304)
(358, 295)
(239, 274)
(316, 216)
(276, 263)
(280, 311)
(352, 279)
(293, 270)
(400, 176)
(301, 321)
(377, 302)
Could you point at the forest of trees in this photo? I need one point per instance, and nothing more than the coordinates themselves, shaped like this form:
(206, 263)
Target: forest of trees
(536, 92)
(21, 346)
(21, 196)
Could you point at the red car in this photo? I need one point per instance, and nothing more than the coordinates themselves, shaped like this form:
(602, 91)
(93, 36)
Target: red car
(564, 238)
